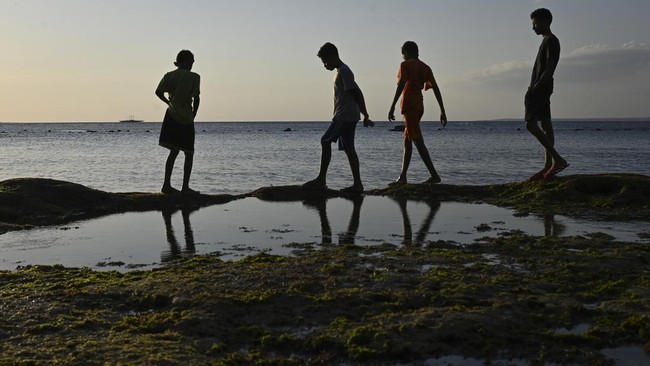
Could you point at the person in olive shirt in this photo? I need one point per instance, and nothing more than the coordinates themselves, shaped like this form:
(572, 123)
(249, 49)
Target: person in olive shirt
(177, 133)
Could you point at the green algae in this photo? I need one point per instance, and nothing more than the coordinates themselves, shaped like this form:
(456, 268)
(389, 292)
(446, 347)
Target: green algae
(501, 297)
(604, 196)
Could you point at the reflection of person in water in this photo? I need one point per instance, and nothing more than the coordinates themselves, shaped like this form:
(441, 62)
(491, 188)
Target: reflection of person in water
(320, 205)
(346, 237)
(552, 227)
(422, 233)
(174, 248)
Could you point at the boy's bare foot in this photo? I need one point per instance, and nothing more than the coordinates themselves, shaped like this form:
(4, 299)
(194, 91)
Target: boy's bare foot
(169, 190)
(556, 168)
(539, 175)
(188, 190)
(316, 183)
(433, 180)
(355, 189)
(398, 182)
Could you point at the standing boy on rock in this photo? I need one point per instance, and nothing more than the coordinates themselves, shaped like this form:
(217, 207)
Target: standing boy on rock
(177, 132)
(348, 103)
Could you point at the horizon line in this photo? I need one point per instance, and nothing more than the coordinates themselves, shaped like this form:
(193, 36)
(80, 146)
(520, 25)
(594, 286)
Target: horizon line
(639, 119)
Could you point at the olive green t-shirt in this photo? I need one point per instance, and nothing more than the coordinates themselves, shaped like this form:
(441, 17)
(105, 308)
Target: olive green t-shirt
(182, 86)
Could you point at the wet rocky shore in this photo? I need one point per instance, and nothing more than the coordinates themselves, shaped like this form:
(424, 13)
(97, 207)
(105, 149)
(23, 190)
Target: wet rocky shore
(510, 299)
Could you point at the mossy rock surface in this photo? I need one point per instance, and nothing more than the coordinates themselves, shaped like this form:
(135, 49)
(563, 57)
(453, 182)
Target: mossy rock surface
(25, 202)
(602, 196)
(499, 299)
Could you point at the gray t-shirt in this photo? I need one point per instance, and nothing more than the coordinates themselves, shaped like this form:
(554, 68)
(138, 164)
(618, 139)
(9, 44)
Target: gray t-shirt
(345, 106)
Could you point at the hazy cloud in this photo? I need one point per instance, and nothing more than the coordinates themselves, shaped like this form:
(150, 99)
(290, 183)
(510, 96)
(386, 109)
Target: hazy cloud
(506, 74)
(595, 63)
(587, 64)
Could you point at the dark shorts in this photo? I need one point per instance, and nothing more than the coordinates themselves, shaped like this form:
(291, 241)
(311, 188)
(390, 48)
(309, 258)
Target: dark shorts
(341, 131)
(176, 136)
(538, 106)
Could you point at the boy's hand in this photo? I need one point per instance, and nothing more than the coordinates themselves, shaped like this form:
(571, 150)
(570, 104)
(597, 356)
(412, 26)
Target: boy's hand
(367, 122)
(443, 119)
(391, 114)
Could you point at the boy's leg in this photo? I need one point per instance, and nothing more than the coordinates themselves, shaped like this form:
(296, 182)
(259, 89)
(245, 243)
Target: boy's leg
(553, 157)
(406, 160)
(538, 108)
(331, 135)
(187, 172)
(547, 127)
(531, 125)
(353, 159)
(426, 158)
(169, 167)
(325, 158)
(547, 142)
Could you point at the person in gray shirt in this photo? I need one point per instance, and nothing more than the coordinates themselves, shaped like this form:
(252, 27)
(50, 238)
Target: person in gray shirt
(348, 104)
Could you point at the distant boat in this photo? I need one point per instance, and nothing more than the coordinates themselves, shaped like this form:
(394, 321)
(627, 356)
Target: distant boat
(131, 120)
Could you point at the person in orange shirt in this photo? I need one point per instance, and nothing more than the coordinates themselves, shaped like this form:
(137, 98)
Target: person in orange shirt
(414, 75)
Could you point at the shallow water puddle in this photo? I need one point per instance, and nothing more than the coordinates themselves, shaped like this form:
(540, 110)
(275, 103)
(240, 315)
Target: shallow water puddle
(248, 226)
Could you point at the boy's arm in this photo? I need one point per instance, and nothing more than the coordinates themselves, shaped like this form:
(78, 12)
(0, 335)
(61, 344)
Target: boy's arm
(398, 92)
(443, 114)
(196, 100)
(552, 55)
(546, 75)
(160, 91)
(161, 95)
(195, 104)
(357, 94)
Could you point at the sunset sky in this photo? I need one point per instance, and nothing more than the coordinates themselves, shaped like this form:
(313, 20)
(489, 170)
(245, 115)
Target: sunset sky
(96, 60)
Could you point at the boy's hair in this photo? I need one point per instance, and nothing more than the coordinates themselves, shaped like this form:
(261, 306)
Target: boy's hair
(184, 56)
(328, 50)
(542, 14)
(411, 48)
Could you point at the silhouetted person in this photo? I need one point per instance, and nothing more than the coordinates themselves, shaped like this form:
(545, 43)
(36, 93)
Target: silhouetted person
(414, 75)
(422, 233)
(174, 248)
(538, 96)
(348, 103)
(177, 133)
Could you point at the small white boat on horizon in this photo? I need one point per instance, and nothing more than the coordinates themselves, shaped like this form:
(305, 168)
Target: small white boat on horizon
(131, 120)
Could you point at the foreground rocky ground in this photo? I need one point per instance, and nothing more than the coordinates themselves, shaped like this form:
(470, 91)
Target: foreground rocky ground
(539, 300)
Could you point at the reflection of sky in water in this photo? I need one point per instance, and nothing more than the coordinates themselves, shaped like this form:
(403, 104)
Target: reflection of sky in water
(249, 226)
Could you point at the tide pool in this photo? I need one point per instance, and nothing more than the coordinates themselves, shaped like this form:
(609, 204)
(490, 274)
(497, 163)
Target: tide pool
(145, 240)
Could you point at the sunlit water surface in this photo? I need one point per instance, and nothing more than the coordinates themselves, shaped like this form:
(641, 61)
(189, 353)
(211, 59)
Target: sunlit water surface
(241, 157)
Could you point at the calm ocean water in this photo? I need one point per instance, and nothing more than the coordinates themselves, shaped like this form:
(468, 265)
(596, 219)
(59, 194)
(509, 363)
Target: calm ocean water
(240, 157)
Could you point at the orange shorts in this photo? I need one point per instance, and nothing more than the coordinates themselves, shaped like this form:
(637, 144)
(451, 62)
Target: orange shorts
(412, 123)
